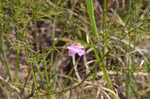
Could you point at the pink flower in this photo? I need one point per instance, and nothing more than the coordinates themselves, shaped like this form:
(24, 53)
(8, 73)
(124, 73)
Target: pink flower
(75, 49)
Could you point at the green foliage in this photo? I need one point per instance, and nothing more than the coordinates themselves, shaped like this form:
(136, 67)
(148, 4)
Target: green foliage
(34, 35)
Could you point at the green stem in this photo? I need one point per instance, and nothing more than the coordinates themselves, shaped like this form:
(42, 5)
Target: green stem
(35, 81)
(4, 58)
(90, 8)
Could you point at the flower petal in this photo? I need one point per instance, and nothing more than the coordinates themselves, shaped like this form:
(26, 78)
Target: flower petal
(70, 52)
(82, 52)
(74, 49)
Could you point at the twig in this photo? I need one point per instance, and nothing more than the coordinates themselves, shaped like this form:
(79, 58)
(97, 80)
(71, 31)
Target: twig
(10, 85)
(120, 73)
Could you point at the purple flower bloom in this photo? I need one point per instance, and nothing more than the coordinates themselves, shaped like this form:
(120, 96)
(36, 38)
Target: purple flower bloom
(75, 49)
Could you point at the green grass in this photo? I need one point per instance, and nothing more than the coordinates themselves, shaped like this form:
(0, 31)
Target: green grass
(33, 65)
